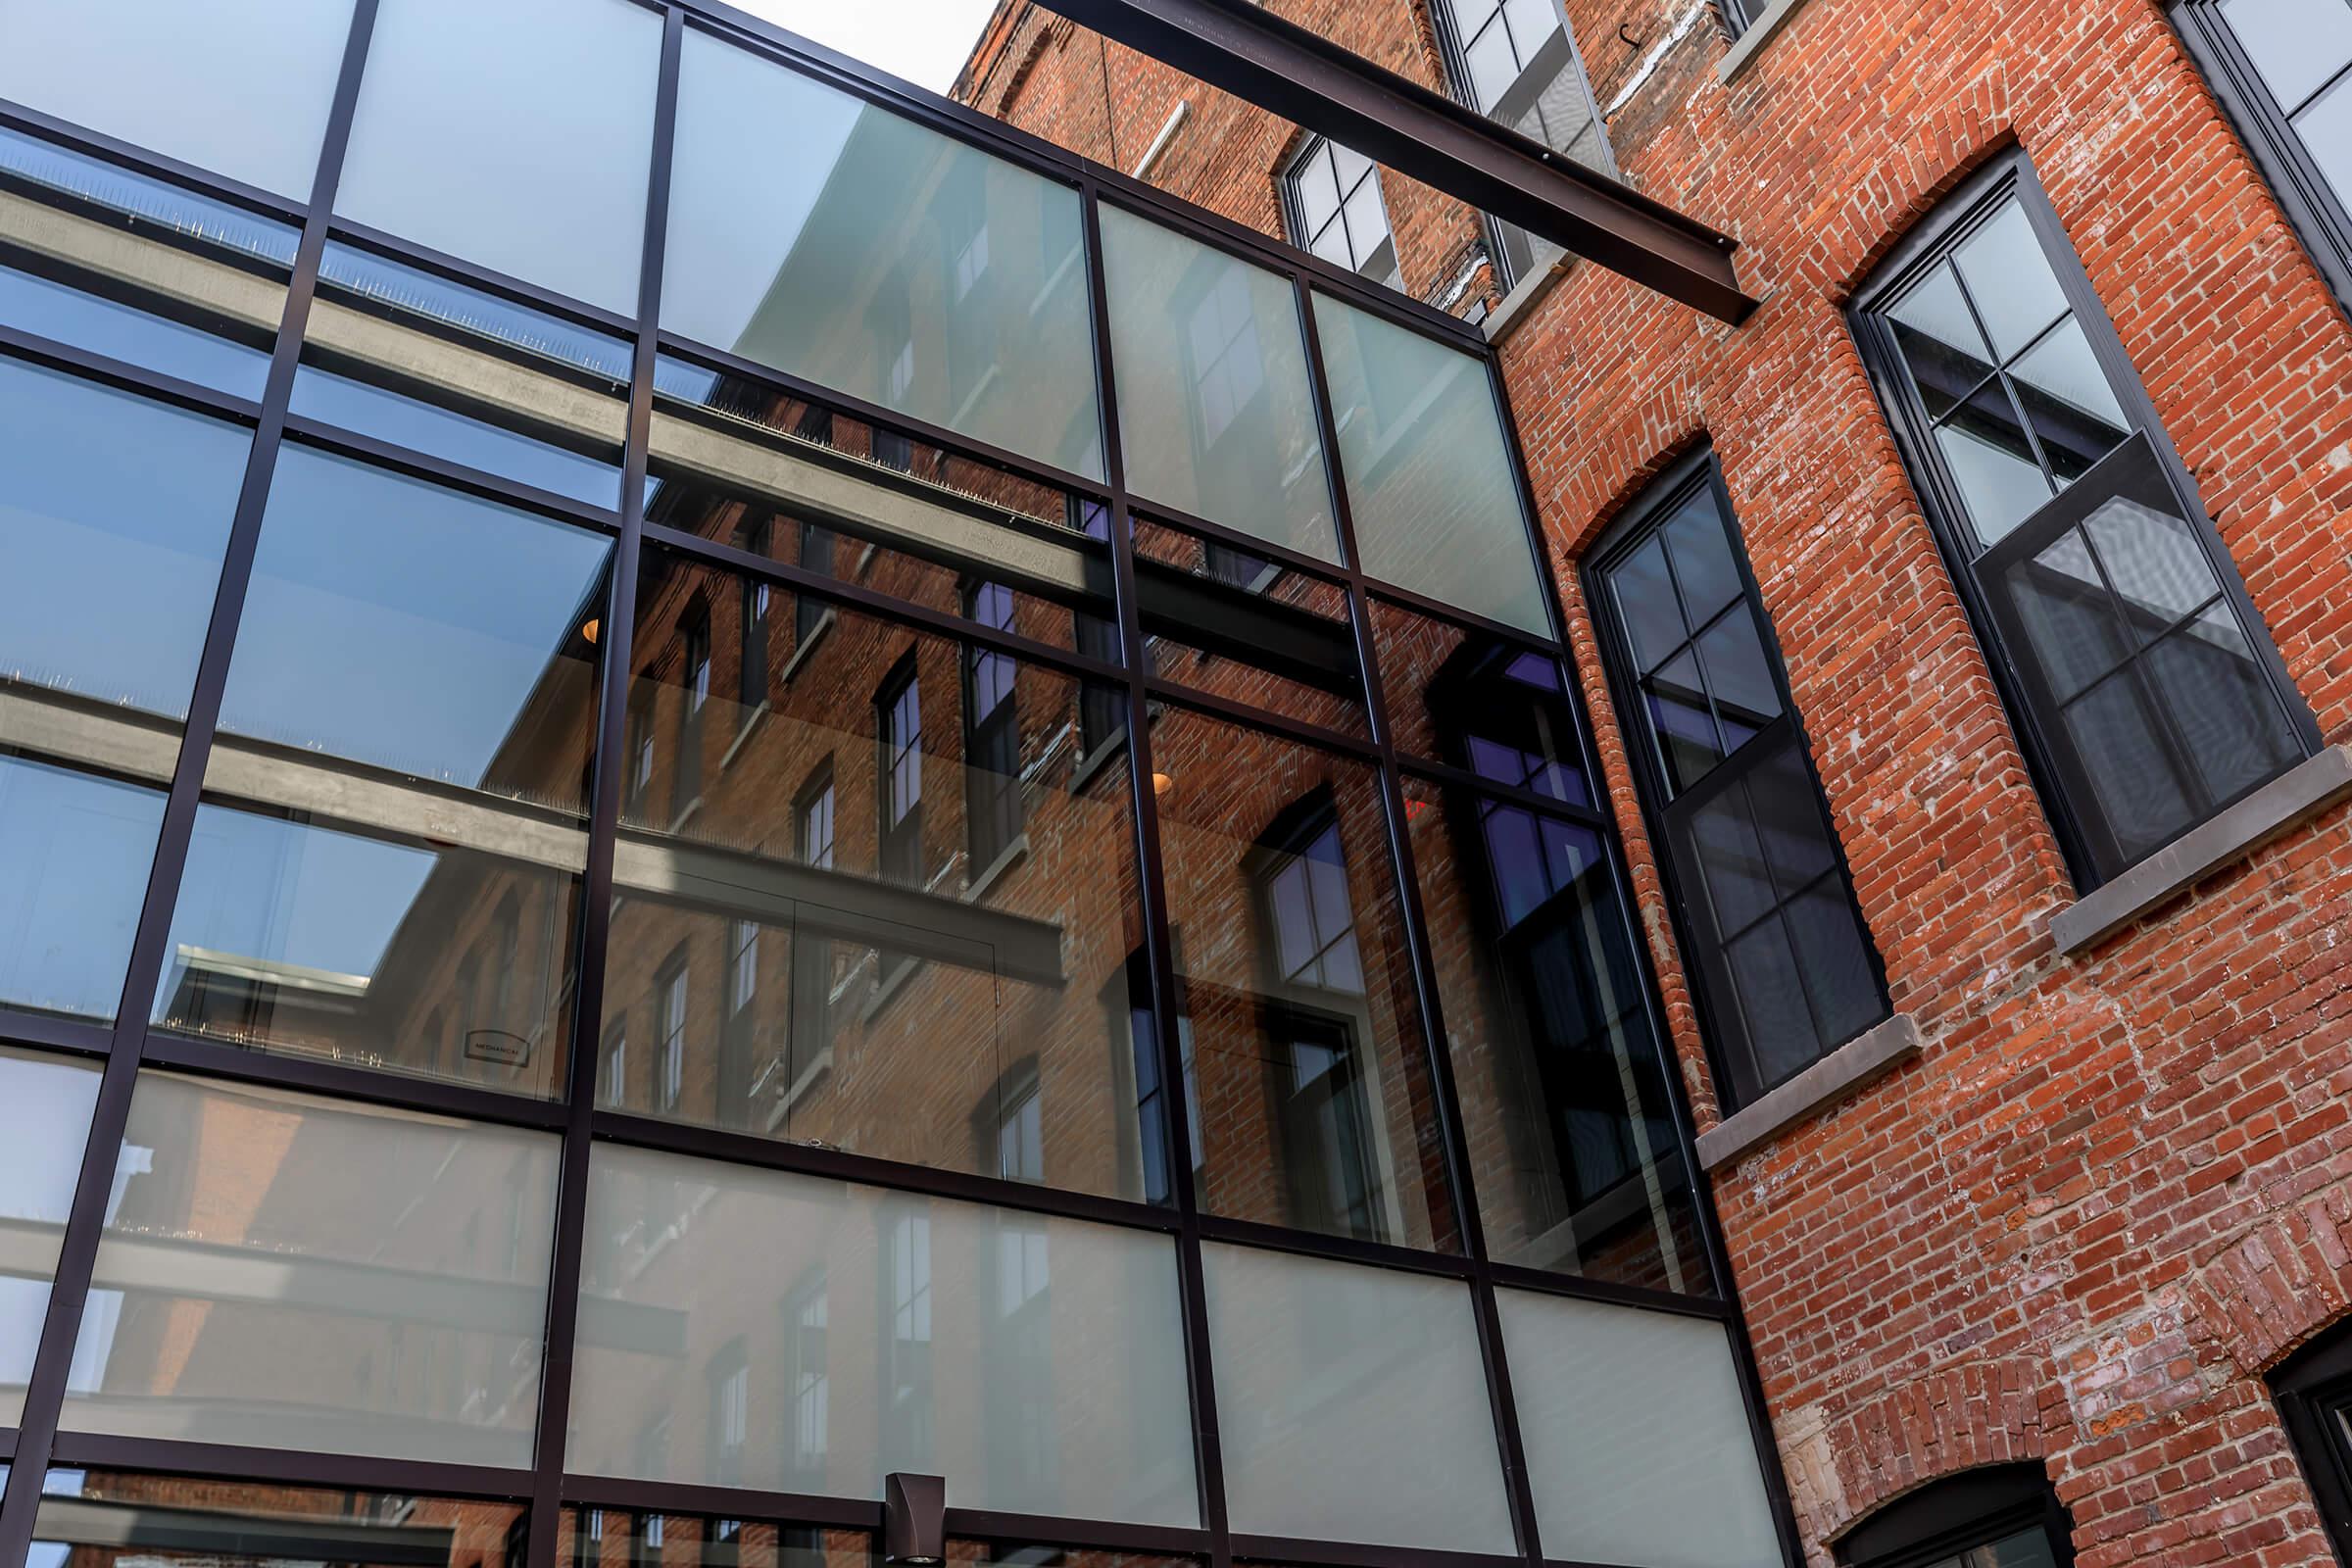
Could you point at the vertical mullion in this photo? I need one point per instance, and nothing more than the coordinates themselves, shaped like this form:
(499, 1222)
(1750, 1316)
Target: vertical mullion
(1167, 1007)
(77, 1249)
(603, 827)
(1517, 1490)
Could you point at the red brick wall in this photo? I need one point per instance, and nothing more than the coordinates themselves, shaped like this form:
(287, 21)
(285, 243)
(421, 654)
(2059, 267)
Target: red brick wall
(2115, 1189)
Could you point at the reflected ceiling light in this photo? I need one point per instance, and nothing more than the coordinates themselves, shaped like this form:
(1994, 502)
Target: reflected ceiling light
(1161, 784)
(589, 630)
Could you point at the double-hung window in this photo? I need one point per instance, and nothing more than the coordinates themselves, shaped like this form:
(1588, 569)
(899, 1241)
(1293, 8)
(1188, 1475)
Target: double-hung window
(2283, 69)
(2314, 1388)
(818, 544)
(1999, 1516)
(1333, 208)
(669, 1011)
(2144, 687)
(1515, 61)
(899, 711)
(696, 700)
(992, 734)
(1767, 916)
(751, 661)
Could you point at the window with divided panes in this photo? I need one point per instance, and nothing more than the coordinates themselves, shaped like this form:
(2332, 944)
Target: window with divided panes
(1335, 210)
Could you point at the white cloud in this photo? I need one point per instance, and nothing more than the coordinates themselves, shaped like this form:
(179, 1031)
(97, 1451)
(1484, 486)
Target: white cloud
(926, 41)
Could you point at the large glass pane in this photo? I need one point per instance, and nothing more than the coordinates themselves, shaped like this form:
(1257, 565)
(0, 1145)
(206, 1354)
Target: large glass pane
(1638, 1445)
(2068, 613)
(2297, 44)
(1314, 1096)
(515, 135)
(115, 501)
(1941, 343)
(2326, 131)
(1479, 703)
(629, 1538)
(2114, 730)
(2068, 398)
(138, 1519)
(1647, 605)
(2010, 280)
(1993, 463)
(1352, 1404)
(2228, 713)
(401, 354)
(882, 258)
(1560, 1074)
(1430, 481)
(87, 263)
(386, 867)
(242, 90)
(857, 909)
(52, 1098)
(1769, 992)
(286, 1271)
(776, 1331)
(1215, 417)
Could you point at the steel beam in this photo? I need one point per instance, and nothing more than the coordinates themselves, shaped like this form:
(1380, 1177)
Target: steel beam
(1288, 71)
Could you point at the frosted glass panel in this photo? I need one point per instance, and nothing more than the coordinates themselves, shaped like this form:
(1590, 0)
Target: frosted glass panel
(1429, 474)
(515, 135)
(51, 1098)
(1216, 419)
(294, 1272)
(241, 87)
(879, 258)
(1638, 1443)
(755, 1328)
(1352, 1403)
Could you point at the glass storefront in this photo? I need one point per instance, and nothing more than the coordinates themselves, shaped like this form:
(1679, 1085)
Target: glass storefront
(674, 838)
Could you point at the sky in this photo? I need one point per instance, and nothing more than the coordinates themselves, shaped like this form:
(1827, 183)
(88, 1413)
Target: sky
(923, 40)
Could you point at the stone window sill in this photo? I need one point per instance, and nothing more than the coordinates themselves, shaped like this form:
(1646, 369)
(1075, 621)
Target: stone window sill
(1750, 43)
(1845, 1072)
(2294, 797)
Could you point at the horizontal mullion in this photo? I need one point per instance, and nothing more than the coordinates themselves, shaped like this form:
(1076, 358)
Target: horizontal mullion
(1453, 615)
(1144, 510)
(1520, 795)
(626, 1494)
(633, 1130)
(82, 1038)
(139, 159)
(473, 482)
(2317, 94)
(1059, 1530)
(856, 596)
(1343, 1554)
(932, 435)
(1545, 1282)
(127, 376)
(458, 271)
(1209, 704)
(91, 1451)
(373, 1086)
(1263, 1237)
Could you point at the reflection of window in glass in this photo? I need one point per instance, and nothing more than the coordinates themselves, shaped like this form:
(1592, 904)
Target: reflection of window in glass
(1102, 710)
(899, 709)
(906, 1349)
(1313, 1010)
(669, 1001)
(641, 750)
(695, 639)
(1021, 1134)
(1151, 1100)
(739, 1036)
(992, 742)
(816, 555)
(1018, 1376)
(616, 1062)
(757, 595)
(2147, 685)
(2284, 71)
(730, 1376)
(1769, 917)
(1228, 368)
(807, 1383)
(1333, 209)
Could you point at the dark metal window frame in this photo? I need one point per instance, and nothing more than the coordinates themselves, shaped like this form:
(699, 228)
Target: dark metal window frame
(2310, 1386)
(2059, 782)
(2313, 209)
(1662, 804)
(128, 1044)
(1293, 206)
(1960, 1512)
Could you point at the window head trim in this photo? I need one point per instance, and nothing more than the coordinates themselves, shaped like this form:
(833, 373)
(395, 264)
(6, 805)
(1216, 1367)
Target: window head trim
(1929, 245)
(1945, 1517)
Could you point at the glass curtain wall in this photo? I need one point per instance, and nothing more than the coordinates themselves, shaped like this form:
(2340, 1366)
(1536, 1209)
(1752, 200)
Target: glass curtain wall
(674, 838)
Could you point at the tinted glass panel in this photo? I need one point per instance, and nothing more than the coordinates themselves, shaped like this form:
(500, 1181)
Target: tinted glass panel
(110, 500)
(2009, 281)
(119, 1519)
(54, 1097)
(242, 90)
(2297, 44)
(461, 375)
(85, 264)
(1036, 1363)
(1352, 1403)
(1430, 478)
(883, 259)
(1479, 703)
(880, 996)
(1214, 413)
(293, 1272)
(1562, 1077)
(1314, 1100)
(388, 864)
(515, 135)
(1638, 1442)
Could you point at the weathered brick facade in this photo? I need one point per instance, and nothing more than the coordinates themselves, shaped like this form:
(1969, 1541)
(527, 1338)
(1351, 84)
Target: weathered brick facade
(2115, 1189)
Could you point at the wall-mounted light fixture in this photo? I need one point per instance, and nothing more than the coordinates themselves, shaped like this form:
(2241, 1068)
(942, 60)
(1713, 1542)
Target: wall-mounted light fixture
(915, 1519)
